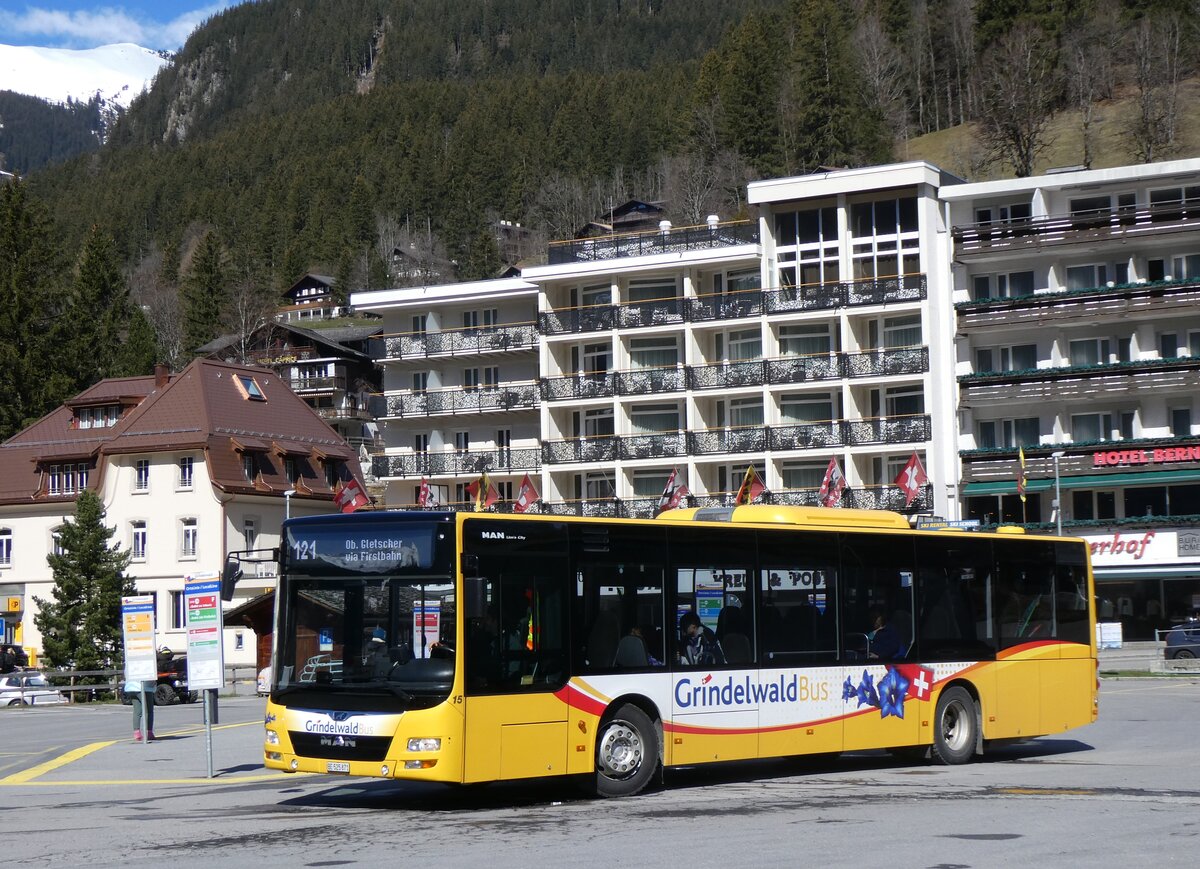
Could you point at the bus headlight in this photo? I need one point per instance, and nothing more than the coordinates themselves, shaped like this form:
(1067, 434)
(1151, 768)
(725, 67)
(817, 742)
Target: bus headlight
(425, 744)
(272, 738)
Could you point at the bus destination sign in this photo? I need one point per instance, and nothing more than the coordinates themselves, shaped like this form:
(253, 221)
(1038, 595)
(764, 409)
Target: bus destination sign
(366, 550)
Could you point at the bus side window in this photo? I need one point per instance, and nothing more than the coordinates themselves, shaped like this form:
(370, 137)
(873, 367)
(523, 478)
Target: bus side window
(798, 581)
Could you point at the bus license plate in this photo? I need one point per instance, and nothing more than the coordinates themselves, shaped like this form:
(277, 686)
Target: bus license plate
(337, 766)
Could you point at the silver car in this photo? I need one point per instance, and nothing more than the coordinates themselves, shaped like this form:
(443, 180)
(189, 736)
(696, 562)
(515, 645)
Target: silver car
(28, 689)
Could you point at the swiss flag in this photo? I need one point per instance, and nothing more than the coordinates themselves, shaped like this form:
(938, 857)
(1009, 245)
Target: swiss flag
(351, 496)
(920, 680)
(527, 496)
(911, 478)
(673, 494)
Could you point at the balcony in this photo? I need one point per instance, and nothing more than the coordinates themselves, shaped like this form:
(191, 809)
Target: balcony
(748, 439)
(651, 381)
(514, 396)
(725, 306)
(591, 318)
(1035, 233)
(1000, 464)
(1069, 382)
(728, 375)
(586, 250)
(581, 386)
(340, 413)
(310, 385)
(1095, 305)
(455, 463)
(652, 312)
(455, 342)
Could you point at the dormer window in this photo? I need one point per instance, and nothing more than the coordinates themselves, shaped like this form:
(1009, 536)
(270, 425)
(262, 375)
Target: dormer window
(249, 387)
(97, 417)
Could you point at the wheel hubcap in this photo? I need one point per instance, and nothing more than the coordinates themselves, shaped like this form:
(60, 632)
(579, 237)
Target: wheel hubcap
(621, 750)
(953, 730)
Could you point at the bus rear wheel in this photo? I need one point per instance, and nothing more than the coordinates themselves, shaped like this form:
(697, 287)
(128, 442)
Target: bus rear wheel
(956, 728)
(626, 753)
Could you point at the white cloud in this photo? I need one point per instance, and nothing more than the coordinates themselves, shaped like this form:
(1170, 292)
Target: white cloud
(106, 25)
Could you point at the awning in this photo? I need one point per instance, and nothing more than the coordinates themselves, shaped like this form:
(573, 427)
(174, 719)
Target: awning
(1089, 481)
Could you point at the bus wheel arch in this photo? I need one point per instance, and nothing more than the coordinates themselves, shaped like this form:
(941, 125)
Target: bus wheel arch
(629, 747)
(957, 730)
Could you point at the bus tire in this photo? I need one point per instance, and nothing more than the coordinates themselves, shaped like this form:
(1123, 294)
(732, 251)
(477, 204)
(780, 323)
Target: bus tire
(956, 727)
(626, 753)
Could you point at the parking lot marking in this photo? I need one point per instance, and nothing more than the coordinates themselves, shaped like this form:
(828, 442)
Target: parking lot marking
(26, 776)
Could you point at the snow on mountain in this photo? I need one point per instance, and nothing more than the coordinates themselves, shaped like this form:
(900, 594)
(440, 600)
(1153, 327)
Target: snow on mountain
(118, 73)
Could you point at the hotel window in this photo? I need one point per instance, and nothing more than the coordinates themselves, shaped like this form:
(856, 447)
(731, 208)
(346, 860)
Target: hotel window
(1003, 213)
(653, 418)
(470, 378)
(994, 433)
(138, 539)
(420, 381)
(596, 359)
(599, 484)
(419, 323)
(491, 376)
(141, 475)
(599, 294)
(808, 339)
(885, 242)
(650, 484)
(1089, 427)
(898, 332)
(657, 352)
(803, 475)
(189, 535)
(5, 547)
(462, 442)
(1090, 351)
(420, 443)
(1086, 277)
(1002, 286)
(1177, 268)
(652, 290)
(598, 423)
(1168, 345)
(1181, 421)
(815, 226)
(745, 412)
(805, 409)
(185, 472)
(504, 445)
(904, 401)
(1019, 357)
(739, 346)
(1087, 504)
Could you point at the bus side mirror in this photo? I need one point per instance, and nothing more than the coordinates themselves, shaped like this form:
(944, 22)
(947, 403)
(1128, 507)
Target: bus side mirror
(229, 577)
(475, 596)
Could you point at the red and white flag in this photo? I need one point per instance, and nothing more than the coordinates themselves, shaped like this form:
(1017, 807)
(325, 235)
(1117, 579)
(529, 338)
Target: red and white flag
(911, 479)
(833, 485)
(428, 496)
(673, 494)
(527, 496)
(351, 496)
(752, 486)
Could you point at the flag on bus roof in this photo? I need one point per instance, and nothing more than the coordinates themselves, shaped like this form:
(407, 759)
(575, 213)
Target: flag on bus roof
(350, 496)
(752, 487)
(911, 478)
(673, 494)
(527, 496)
(483, 493)
(833, 485)
(1022, 482)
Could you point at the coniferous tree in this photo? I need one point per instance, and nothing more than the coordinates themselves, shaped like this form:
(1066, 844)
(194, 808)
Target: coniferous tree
(34, 376)
(139, 351)
(100, 310)
(81, 624)
(204, 293)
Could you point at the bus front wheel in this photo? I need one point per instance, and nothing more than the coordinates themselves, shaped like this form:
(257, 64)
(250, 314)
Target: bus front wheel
(957, 727)
(626, 753)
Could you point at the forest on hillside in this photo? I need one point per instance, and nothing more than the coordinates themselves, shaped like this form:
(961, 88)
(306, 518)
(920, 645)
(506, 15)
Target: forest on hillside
(306, 135)
(35, 133)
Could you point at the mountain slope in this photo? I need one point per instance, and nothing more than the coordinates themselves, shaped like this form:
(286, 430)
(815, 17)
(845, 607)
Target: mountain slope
(35, 133)
(115, 73)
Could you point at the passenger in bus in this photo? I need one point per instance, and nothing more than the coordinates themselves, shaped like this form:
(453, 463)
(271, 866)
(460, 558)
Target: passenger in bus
(378, 661)
(883, 641)
(698, 645)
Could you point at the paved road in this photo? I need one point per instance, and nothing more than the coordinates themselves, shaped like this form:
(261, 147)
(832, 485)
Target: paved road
(1123, 792)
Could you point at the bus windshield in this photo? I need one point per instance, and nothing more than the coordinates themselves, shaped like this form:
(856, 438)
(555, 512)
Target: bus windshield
(355, 630)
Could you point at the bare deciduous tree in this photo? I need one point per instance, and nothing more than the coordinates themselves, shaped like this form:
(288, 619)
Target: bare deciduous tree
(882, 66)
(159, 301)
(1158, 67)
(1021, 87)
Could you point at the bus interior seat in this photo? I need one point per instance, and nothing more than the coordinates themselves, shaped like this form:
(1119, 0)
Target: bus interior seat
(603, 640)
(737, 649)
(631, 652)
(729, 621)
(902, 620)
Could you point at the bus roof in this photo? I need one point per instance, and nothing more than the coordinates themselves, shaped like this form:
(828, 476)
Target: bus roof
(772, 514)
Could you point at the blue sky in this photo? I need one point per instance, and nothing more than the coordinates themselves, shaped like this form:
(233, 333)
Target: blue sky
(162, 24)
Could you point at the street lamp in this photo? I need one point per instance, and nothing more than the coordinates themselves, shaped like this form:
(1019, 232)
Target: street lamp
(1057, 490)
(287, 503)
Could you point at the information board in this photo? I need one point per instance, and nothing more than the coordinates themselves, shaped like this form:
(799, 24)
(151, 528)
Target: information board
(137, 628)
(205, 631)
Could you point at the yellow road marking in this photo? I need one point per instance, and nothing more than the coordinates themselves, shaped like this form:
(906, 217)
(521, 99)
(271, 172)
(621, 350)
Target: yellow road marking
(26, 777)
(41, 769)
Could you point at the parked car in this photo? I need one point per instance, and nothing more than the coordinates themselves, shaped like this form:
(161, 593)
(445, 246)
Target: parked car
(28, 688)
(1183, 641)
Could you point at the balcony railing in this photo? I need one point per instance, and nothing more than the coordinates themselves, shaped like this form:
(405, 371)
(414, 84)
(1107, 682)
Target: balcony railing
(1078, 381)
(654, 242)
(461, 341)
(749, 439)
(1093, 304)
(336, 413)
(599, 385)
(301, 385)
(514, 396)
(737, 305)
(455, 463)
(727, 375)
(1088, 227)
(647, 381)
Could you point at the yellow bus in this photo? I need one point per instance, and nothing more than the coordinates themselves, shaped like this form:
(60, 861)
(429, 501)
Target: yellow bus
(477, 647)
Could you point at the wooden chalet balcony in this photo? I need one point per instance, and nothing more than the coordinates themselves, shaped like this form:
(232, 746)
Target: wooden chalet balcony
(511, 396)
(1094, 305)
(309, 385)
(336, 413)
(455, 463)
(1067, 382)
(1119, 224)
(456, 342)
(675, 240)
(733, 306)
(745, 439)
